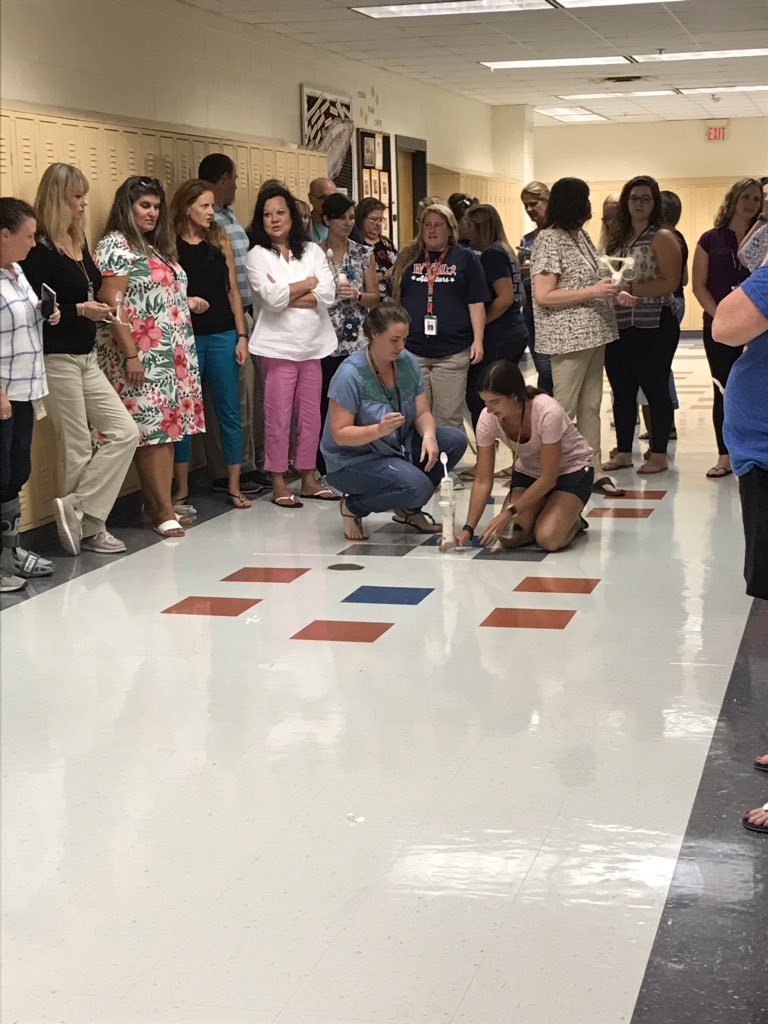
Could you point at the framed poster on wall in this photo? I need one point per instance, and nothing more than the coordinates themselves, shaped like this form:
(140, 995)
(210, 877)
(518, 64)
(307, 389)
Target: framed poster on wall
(375, 185)
(384, 187)
(369, 151)
(378, 146)
(365, 185)
(326, 125)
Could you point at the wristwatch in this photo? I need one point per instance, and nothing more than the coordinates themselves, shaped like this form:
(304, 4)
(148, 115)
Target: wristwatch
(243, 336)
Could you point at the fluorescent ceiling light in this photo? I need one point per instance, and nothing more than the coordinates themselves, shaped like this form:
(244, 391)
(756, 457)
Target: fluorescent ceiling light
(557, 62)
(617, 95)
(719, 89)
(650, 58)
(608, 3)
(453, 7)
(572, 114)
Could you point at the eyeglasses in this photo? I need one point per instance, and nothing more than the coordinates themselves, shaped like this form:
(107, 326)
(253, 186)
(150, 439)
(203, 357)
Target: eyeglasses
(641, 199)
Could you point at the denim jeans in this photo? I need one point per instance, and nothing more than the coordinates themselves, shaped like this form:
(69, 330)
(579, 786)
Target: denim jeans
(216, 358)
(381, 484)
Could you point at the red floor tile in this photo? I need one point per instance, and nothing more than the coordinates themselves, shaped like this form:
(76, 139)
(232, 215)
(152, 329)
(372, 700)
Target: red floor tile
(253, 574)
(348, 632)
(212, 606)
(556, 585)
(619, 513)
(528, 618)
(638, 495)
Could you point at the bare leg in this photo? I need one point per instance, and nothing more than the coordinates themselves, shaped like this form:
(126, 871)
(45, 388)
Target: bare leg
(559, 522)
(181, 481)
(522, 528)
(233, 487)
(154, 464)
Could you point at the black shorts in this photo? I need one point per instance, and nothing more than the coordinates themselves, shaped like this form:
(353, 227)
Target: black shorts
(578, 483)
(753, 491)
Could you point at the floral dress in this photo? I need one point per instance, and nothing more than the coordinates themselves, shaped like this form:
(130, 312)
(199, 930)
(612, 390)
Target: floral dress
(346, 315)
(169, 404)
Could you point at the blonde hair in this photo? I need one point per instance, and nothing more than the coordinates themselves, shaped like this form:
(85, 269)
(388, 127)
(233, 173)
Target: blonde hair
(489, 227)
(185, 195)
(54, 214)
(732, 196)
(535, 188)
(409, 254)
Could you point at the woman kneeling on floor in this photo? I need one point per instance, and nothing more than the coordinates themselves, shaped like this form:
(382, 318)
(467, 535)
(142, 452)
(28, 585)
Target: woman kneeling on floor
(552, 472)
(379, 430)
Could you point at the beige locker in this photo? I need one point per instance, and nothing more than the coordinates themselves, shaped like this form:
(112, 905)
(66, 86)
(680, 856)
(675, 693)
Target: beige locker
(26, 143)
(133, 153)
(185, 165)
(291, 170)
(7, 177)
(268, 164)
(303, 172)
(255, 176)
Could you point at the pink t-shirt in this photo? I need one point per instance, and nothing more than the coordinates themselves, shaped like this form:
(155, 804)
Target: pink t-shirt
(549, 424)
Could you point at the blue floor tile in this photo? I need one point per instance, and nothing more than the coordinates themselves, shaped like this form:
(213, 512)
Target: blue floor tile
(388, 595)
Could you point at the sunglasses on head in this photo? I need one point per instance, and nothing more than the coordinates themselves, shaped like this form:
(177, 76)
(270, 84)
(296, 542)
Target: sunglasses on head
(149, 183)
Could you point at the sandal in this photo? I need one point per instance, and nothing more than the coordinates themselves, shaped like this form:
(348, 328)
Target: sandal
(717, 472)
(170, 529)
(324, 494)
(468, 475)
(752, 825)
(607, 488)
(238, 500)
(27, 565)
(355, 519)
(287, 501)
(419, 520)
(616, 462)
(647, 469)
(182, 507)
(503, 474)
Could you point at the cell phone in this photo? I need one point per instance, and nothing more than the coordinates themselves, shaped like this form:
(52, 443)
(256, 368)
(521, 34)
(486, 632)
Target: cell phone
(47, 301)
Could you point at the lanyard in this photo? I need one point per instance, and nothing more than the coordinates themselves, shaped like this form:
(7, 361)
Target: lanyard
(385, 392)
(432, 276)
(516, 449)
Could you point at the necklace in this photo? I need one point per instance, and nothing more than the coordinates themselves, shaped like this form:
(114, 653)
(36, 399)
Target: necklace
(386, 392)
(80, 264)
(516, 446)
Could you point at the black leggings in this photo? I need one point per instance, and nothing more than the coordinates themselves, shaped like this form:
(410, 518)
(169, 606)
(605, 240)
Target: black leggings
(511, 346)
(329, 365)
(15, 449)
(642, 358)
(720, 358)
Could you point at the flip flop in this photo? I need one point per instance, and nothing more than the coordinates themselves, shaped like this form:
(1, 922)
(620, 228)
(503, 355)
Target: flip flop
(760, 766)
(503, 474)
(169, 530)
(750, 825)
(468, 475)
(717, 472)
(288, 501)
(607, 488)
(321, 495)
(420, 521)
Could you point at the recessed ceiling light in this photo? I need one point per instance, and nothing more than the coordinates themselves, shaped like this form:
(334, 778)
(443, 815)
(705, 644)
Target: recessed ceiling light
(557, 62)
(650, 58)
(572, 114)
(452, 7)
(719, 89)
(616, 95)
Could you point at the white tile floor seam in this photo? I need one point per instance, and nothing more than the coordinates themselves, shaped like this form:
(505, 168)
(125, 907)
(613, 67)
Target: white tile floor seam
(205, 820)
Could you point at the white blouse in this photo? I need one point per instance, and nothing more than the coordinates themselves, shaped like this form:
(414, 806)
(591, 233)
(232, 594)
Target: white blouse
(280, 331)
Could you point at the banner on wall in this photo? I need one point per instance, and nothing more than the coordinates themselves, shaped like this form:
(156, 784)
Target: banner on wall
(327, 125)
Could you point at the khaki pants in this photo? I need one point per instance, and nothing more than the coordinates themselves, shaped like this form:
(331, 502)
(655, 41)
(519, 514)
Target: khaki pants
(82, 400)
(446, 387)
(578, 380)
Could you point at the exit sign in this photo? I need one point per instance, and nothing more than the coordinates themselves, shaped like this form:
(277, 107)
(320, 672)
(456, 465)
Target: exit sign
(716, 132)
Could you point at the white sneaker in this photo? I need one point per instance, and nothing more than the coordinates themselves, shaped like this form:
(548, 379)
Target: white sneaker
(9, 583)
(103, 543)
(69, 525)
(458, 483)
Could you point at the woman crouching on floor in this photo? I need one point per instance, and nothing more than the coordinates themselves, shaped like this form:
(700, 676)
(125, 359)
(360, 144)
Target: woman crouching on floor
(552, 465)
(380, 442)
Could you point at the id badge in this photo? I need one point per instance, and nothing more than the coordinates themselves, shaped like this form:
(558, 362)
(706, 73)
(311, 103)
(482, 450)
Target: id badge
(430, 325)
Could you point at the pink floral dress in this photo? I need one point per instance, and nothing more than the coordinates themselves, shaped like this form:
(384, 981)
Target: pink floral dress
(169, 404)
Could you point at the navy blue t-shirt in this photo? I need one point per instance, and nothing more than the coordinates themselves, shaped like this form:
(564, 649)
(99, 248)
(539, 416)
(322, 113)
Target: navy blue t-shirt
(746, 394)
(497, 264)
(460, 282)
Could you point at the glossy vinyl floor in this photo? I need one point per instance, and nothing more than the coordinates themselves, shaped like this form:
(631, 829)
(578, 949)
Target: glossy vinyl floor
(242, 787)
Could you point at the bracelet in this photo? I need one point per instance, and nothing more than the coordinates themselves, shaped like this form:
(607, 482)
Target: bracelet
(466, 528)
(134, 356)
(79, 309)
(431, 437)
(243, 336)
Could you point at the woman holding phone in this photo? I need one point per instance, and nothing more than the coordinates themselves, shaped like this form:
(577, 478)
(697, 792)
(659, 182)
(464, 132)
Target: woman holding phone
(22, 383)
(80, 398)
